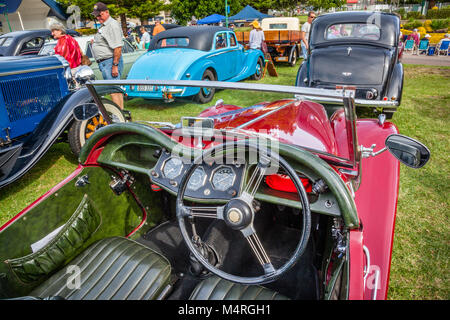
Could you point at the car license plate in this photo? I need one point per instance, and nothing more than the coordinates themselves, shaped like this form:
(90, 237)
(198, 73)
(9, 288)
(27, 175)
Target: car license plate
(146, 88)
(281, 58)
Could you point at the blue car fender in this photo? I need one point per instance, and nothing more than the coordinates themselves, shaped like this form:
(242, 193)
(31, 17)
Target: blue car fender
(196, 72)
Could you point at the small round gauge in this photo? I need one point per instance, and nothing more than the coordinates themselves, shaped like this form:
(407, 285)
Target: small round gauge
(172, 168)
(223, 178)
(197, 179)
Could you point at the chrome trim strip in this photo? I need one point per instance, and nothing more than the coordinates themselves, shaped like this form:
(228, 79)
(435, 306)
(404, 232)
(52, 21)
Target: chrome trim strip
(30, 70)
(263, 116)
(358, 102)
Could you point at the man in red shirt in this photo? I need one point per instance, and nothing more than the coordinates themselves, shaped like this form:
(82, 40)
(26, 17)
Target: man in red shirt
(67, 47)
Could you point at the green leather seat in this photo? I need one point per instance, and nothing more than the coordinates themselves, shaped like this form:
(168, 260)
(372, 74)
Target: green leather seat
(215, 288)
(110, 269)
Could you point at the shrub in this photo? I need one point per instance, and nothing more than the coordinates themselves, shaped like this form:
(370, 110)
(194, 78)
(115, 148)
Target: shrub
(439, 24)
(443, 13)
(427, 26)
(412, 25)
(86, 31)
(414, 15)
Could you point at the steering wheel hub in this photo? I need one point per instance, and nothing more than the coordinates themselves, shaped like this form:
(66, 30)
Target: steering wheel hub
(237, 214)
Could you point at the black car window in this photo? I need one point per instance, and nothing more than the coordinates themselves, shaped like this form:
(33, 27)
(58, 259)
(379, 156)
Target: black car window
(353, 30)
(5, 42)
(31, 46)
(127, 48)
(89, 51)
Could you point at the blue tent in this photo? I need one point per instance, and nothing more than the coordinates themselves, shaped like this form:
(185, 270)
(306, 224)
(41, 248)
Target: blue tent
(214, 18)
(248, 14)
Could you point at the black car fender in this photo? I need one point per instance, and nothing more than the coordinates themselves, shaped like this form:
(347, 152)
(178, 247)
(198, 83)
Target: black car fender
(395, 87)
(302, 74)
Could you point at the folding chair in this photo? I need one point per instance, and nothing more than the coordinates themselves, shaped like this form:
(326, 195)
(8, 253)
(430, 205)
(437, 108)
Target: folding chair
(409, 45)
(443, 48)
(423, 46)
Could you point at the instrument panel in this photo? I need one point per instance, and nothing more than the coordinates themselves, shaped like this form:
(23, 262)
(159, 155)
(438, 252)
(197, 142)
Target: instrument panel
(208, 181)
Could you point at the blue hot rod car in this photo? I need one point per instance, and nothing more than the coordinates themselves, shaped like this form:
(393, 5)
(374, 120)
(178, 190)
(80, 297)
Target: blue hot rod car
(193, 53)
(37, 97)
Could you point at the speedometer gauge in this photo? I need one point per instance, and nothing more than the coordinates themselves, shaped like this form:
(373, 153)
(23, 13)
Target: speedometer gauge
(223, 178)
(197, 179)
(172, 168)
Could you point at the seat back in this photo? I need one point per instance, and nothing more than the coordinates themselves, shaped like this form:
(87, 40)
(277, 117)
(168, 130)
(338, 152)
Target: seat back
(423, 45)
(444, 45)
(409, 45)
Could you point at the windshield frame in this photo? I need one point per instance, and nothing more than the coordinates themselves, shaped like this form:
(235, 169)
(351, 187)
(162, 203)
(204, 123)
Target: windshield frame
(341, 97)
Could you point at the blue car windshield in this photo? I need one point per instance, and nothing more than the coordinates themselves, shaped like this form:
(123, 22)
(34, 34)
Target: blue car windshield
(173, 42)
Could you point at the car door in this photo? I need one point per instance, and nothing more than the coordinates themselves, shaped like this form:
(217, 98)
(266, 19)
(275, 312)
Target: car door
(236, 54)
(221, 56)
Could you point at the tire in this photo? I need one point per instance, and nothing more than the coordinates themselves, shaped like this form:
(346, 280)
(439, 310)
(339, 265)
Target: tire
(205, 95)
(294, 58)
(80, 131)
(259, 70)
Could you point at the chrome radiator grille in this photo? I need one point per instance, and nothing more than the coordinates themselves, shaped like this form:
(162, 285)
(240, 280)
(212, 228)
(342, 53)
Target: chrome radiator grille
(30, 95)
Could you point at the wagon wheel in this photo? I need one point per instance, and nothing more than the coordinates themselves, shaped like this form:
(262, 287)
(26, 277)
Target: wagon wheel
(205, 95)
(80, 131)
(259, 70)
(294, 58)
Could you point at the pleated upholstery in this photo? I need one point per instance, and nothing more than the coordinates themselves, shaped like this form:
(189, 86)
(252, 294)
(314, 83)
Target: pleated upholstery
(110, 269)
(215, 288)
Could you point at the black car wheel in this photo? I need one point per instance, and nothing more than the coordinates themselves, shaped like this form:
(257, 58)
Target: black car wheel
(205, 95)
(80, 131)
(259, 70)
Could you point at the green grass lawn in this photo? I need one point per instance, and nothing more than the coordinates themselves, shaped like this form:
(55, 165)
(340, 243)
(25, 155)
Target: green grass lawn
(420, 258)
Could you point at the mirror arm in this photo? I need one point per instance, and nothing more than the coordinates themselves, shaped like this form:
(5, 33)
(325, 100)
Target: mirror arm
(368, 152)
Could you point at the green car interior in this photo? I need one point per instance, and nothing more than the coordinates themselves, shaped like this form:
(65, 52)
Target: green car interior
(115, 233)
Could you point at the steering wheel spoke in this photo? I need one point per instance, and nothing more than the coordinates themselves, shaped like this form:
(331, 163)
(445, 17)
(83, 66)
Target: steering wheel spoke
(258, 249)
(204, 212)
(256, 178)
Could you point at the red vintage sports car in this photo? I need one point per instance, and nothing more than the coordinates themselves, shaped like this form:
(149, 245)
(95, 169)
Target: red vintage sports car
(281, 200)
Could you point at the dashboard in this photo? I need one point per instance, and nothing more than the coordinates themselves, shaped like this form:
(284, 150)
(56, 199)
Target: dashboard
(208, 181)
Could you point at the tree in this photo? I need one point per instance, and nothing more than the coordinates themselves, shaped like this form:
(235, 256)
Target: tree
(183, 10)
(326, 4)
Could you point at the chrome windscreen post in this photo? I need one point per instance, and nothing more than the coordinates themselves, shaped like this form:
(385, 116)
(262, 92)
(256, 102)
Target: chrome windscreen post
(99, 103)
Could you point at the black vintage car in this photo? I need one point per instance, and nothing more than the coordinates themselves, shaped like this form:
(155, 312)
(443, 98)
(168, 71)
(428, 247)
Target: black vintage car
(26, 42)
(359, 49)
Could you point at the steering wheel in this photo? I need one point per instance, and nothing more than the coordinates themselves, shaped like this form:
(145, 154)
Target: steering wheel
(239, 213)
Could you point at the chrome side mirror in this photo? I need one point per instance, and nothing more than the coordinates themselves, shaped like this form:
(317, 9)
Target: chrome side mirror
(85, 111)
(407, 150)
(83, 74)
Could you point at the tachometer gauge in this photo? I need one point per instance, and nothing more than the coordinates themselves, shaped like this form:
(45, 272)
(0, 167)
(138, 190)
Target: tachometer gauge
(172, 168)
(223, 178)
(197, 179)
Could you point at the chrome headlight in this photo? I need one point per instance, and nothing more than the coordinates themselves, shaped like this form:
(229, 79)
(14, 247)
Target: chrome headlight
(83, 74)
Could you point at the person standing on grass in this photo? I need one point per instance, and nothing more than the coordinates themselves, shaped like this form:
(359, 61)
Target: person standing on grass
(256, 36)
(107, 47)
(304, 34)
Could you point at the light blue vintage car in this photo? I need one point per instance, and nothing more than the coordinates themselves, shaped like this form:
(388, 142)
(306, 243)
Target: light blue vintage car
(193, 53)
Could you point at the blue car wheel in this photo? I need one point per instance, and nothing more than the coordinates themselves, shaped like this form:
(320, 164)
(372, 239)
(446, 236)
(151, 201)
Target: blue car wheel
(205, 95)
(259, 70)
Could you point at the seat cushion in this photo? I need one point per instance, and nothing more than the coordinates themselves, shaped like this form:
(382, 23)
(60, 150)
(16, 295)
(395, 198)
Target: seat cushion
(110, 269)
(215, 288)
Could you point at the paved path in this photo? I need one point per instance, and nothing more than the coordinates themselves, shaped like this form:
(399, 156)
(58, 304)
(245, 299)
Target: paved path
(427, 60)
